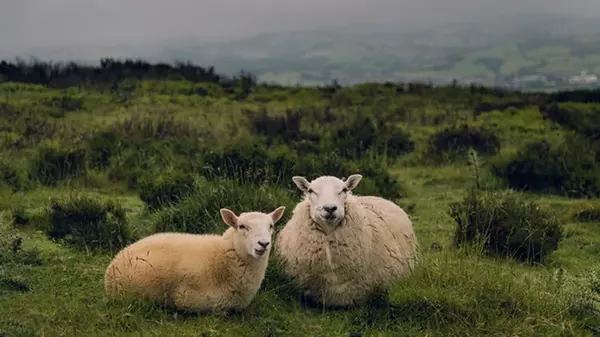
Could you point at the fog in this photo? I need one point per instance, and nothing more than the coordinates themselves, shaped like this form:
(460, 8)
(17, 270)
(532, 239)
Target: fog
(26, 24)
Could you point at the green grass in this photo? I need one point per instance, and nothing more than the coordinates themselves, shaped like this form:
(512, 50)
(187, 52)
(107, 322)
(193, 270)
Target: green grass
(455, 292)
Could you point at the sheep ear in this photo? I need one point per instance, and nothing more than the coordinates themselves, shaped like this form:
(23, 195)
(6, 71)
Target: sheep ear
(301, 182)
(353, 181)
(277, 214)
(229, 217)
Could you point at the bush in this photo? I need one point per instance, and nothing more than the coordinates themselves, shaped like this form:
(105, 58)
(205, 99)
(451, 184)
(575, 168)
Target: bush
(454, 142)
(169, 188)
(12, 252)
(250, 164)
(581, 117)
(13, 177)
(506, 225)
(253, 164)
(368, 134)
(54, 164)
(85, 223)
(569, 168)
(589, 214)
(199, 212)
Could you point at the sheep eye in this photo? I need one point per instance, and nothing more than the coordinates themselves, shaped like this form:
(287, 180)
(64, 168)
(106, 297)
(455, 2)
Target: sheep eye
(271, 227)
(242, 227)
(310, 190)
(345, 190)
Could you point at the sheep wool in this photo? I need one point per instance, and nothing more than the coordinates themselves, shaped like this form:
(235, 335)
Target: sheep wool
(197, 272)
(340, 248)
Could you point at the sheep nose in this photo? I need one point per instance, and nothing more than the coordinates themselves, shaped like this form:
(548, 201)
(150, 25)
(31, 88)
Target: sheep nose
(264, 244)
(330, 208)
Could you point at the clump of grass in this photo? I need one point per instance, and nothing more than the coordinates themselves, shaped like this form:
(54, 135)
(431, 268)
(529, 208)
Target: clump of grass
(53, 164)
(588, 214)
(199, 212)
(569, 168)
(454, 142)
(167, 189)
(506, 224)
(88, 224)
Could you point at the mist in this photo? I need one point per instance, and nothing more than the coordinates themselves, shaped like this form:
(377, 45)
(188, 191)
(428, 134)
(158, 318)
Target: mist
(26, 24)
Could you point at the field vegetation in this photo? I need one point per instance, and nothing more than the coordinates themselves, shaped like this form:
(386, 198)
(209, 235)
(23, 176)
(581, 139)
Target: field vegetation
(502, 188)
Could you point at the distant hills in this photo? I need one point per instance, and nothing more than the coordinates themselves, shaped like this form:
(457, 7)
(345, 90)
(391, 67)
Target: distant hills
(504, 50)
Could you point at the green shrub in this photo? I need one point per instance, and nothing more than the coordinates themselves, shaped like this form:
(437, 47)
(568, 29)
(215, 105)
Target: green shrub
(569, 168)
(102, 147)
(588, 214)
(88, 224)
(506, 224)
(276, 166)
(581, 117)
(199, 212)
(366, 134)
(12, 252)
(169, 188)
(250, 164)
(53, 164)
(454, 142)
(13, 177)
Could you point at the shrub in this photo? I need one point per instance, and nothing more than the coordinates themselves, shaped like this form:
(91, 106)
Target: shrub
(588, 214)
(454, 142)
(506, 224)
(368, 134)
(581, 117)
(284, 129)
(85, 223)
(13, 177)
(54, 164)
(250, 164)
(102, 147)
(569, 168)
(169, 188)
(199, 212)
(12, 252)
(256, 165)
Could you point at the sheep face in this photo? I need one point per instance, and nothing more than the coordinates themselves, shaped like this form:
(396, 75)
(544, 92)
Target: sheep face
(253, 230)
(327, 196)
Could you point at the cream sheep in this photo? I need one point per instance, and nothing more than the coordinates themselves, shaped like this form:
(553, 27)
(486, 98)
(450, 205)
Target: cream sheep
(194, 272)
(341, 248)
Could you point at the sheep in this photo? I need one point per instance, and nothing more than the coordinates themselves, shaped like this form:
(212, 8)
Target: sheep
(198, 273)
(341, 248)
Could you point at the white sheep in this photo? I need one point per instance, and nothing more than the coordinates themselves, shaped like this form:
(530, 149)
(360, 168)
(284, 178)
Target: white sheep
(197, 272)
(340, 248)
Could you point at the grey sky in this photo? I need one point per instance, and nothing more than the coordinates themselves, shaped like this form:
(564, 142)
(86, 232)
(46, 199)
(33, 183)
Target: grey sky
(39, 23)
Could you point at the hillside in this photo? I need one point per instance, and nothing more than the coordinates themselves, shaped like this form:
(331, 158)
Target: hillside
(94, 158)
(527, 51)
(496, 50)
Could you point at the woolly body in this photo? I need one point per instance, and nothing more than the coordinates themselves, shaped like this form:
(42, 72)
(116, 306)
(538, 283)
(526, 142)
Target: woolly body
(196, 272)
(372, 246)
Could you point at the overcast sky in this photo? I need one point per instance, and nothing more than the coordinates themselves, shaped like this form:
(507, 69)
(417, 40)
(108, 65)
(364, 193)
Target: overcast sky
(37, 23)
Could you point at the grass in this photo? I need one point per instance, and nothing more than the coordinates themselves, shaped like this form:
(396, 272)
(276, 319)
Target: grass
(50, 289)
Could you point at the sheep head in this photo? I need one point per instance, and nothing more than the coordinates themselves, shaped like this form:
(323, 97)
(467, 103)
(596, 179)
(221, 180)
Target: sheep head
(253, 230)
(327, 196)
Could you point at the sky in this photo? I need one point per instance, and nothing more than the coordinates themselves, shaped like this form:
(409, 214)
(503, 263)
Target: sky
(26, 24)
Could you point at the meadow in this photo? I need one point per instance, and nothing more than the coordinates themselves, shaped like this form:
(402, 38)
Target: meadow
(502, 188)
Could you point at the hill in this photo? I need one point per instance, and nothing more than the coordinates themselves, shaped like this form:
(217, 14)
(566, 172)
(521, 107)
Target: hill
(95, 157)
(492, 52)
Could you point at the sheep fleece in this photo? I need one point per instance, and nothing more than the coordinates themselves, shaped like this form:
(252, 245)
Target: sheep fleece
(374, 245)
(194, 272)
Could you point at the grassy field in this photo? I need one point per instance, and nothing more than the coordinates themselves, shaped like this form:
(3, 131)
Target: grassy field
(168, 152)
